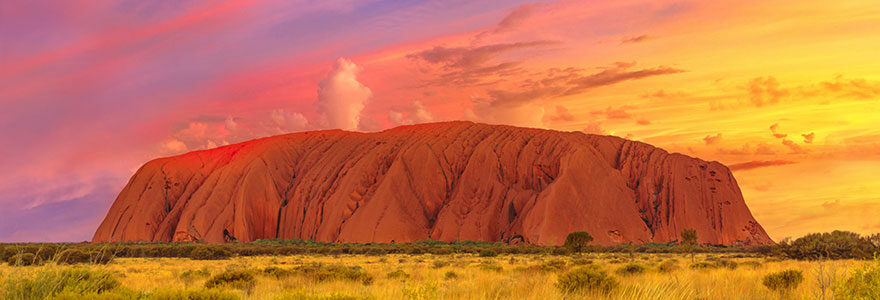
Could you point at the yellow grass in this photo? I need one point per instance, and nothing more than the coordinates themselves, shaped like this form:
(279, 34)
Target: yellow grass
(514, 281)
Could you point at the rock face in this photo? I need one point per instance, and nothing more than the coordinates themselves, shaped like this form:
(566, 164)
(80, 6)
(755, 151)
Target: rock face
(441, 181)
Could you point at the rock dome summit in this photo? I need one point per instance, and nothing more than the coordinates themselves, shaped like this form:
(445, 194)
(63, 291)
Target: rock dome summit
(440, 181)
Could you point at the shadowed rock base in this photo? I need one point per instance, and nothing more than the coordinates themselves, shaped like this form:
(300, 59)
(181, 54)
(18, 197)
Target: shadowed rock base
(441, 181)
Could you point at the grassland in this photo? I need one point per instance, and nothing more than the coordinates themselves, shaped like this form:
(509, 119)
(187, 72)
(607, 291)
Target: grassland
(452, 276)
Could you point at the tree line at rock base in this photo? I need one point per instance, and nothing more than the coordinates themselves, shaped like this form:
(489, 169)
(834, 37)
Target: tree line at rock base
(832, 245)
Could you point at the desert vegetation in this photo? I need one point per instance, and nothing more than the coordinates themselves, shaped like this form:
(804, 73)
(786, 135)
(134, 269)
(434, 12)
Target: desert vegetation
(836, 265)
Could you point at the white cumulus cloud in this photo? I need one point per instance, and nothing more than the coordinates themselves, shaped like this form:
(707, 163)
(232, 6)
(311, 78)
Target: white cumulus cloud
(341, 98)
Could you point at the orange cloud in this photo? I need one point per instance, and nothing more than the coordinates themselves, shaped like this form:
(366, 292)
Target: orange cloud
(808, 138)
(765, 91)
(758, 164)
(775, 133)
(635, 39)
(711, 140)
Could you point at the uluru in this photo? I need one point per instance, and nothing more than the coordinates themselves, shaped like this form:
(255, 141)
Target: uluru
(446, 181)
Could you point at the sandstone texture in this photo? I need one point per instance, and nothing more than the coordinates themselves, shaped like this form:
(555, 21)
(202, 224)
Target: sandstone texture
(440, 181)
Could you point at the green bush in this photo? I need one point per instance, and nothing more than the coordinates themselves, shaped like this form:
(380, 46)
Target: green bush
(200, 294)
(189, 276)
(863, 283)
(304, 296)
(450, 275)
(754, 264)
(237, 279)
(668, 266)
(577, 241)
(732, 265)
(704, 265)
(73, 256)
(561, 251)
(784, 280)
(208, 253)
(277, 272)
(586, 279)
(23, 259)
(440, 264)
(399, 274)
(631, 269)
(50, 282)
(490, 267)
(834, 245)
(488, 253)
(321, 272)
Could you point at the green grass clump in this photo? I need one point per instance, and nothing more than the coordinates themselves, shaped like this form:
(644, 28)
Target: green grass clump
(732, 265)
(551, 266)
(439, 264)
(668, 266)
(237, 279)
(586, 279)
(754, 264)
(51, 282)
(704, 265)
(450, 275)
(488, 253)
(863, 283)
(631, 269)
(196, 294)
(277, 272)
(303, 296)
(209, 253)
(23, 259)
(321, 273)
(189, 276)
(783, 281)
(490, 267)
(399, 274)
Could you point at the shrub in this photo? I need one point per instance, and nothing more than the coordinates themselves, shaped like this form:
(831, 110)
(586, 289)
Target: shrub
(631, 269)
(50, 282)
(754, 264)
(668, 266)
(727, 264)
(704, 265)
(488, 253)
(189, 276)
(589, 279)
(208, 253)
(23, 259)
(864, 283)
(320, 272)
(277, 272)
(73, 256)
(581, 261)
(577, 241)
(399, 274)
(304, 296)
(200, 294)
(440, 264)
(101, 257)
(238, 279)
(784, 280)
(450, 275)
(833, 245)
(490, 267)
(561, 251)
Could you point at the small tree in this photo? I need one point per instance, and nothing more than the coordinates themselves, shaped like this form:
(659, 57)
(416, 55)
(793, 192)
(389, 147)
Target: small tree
(689, 241)
(577, 241)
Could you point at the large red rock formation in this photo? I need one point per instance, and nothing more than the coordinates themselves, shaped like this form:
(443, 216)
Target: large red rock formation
(441, 181)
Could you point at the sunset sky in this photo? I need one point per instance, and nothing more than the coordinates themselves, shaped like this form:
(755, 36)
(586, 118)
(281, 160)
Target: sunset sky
(786, 93)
